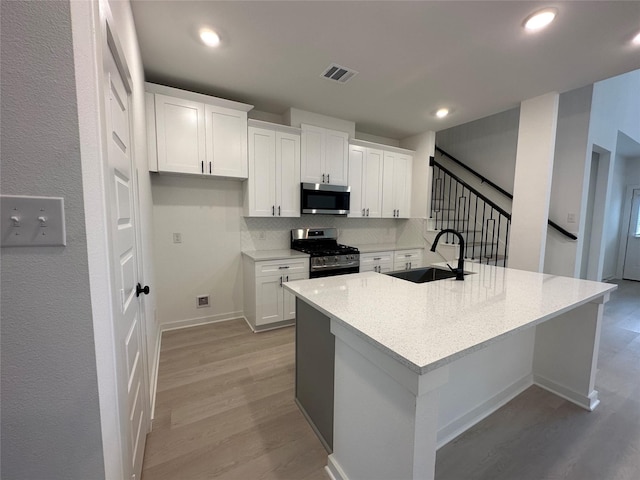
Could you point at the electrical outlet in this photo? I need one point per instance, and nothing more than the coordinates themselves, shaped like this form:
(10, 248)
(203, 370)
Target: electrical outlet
(571, 218)
(262, 235)
(202, 301)
(177, 238)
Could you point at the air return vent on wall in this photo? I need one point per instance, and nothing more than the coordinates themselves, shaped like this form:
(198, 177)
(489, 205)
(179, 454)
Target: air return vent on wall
(338, 73)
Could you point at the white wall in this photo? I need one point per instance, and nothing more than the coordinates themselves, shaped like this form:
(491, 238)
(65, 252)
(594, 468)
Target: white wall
(613, 221)
(296, 117)
(424, 147)
(532, 183)
(208, 214)
(615, 108)
(50, 408)
(632, 179)
(487, 145)
(571, 160)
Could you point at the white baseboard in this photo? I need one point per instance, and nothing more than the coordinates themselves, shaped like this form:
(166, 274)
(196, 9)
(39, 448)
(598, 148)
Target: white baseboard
(192, 322)
(334, 470)
(588, 402)
(154, 376)
(482, 411)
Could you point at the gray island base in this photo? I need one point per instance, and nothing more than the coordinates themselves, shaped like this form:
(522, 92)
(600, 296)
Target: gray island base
(415, 365)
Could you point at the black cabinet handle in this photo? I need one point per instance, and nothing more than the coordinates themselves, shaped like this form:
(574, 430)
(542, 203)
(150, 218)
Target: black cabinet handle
(279, 210)
(140, 290)
(209, 167)
(323, 178)
(273, 210)
(328, 178)
(202, 166)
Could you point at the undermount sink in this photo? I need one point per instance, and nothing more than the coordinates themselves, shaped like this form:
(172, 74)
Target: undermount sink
(423, 275)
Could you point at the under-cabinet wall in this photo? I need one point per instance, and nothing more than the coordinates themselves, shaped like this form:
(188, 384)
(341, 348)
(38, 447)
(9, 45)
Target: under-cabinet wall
(207, 213)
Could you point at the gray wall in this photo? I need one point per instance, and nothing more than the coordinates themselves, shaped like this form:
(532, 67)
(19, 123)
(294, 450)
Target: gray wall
(50, 413)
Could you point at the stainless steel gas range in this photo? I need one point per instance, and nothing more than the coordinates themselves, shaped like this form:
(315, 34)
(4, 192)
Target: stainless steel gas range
(327, 256)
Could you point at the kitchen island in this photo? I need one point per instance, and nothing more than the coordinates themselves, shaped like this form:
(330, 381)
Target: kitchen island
(415, 365)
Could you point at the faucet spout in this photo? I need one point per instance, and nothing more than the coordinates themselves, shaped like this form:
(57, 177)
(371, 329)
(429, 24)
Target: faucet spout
(460, 270)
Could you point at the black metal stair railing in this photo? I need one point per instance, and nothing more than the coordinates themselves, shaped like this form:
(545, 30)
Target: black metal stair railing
(501, 190)
(483, 224)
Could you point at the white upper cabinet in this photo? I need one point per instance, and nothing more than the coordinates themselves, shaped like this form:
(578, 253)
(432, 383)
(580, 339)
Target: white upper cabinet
(365, 179)
(396, 185)
(273, 187)
(196, 134)
(324, 156)
(180, 132)
(226, 141)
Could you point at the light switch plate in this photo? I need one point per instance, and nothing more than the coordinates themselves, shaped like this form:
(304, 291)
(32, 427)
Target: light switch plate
(32, 221)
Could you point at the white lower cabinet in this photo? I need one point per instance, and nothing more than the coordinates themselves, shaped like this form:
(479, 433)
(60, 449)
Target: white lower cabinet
(380, 262)
(267, 304)
(407, 259)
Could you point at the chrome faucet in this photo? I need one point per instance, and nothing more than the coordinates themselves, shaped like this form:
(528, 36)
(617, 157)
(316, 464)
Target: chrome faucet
(460, 270)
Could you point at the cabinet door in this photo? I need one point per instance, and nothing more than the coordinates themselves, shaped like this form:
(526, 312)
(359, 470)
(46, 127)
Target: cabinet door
(312, 154)
(402, 185)
(269, 299)
(226, 140)
(261, 184)
(384, 267)
(388, 194)
(372, 183)
(287, 174)
(356, 162)
(336, 157)
(289, 298)
(180, 129)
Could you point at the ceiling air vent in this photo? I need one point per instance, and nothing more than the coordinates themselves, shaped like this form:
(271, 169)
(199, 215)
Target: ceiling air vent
(338, 73)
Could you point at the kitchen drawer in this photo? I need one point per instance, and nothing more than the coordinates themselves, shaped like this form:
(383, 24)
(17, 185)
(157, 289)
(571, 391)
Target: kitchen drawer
(407, 259)
(271, 267)
(375, 258)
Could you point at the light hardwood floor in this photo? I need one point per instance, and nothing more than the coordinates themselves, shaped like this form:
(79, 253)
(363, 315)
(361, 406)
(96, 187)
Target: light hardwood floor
(225, 410)
(539, 436)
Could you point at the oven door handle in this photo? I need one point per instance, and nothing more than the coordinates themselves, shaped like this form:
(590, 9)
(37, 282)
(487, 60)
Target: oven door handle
(342, 265)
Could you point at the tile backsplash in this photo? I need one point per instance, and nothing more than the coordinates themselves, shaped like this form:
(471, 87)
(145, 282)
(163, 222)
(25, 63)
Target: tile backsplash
(269, 233)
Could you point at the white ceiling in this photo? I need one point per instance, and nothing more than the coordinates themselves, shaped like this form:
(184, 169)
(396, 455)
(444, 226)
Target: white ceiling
(412, 57)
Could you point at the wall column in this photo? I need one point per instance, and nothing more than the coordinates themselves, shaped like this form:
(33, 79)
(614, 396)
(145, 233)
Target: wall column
(532, 182)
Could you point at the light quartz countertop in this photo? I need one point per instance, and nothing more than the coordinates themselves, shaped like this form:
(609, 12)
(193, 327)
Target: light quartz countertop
(385, 247)
(425, 326)
(262, 255)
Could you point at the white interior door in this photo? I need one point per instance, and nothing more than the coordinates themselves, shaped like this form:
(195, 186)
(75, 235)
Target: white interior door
(631, 269)
(128, 328)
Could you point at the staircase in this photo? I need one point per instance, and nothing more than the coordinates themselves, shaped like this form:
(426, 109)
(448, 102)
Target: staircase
(483, 224)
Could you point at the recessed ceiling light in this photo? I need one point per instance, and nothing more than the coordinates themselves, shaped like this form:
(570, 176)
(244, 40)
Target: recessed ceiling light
(209, 37)
(636, 39)
(443, 112)
(540, 19)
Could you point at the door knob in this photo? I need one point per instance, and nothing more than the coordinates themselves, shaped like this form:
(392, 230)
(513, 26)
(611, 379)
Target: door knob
(140, 290)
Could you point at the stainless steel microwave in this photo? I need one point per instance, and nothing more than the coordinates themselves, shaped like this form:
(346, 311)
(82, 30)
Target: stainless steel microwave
(324, 199)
